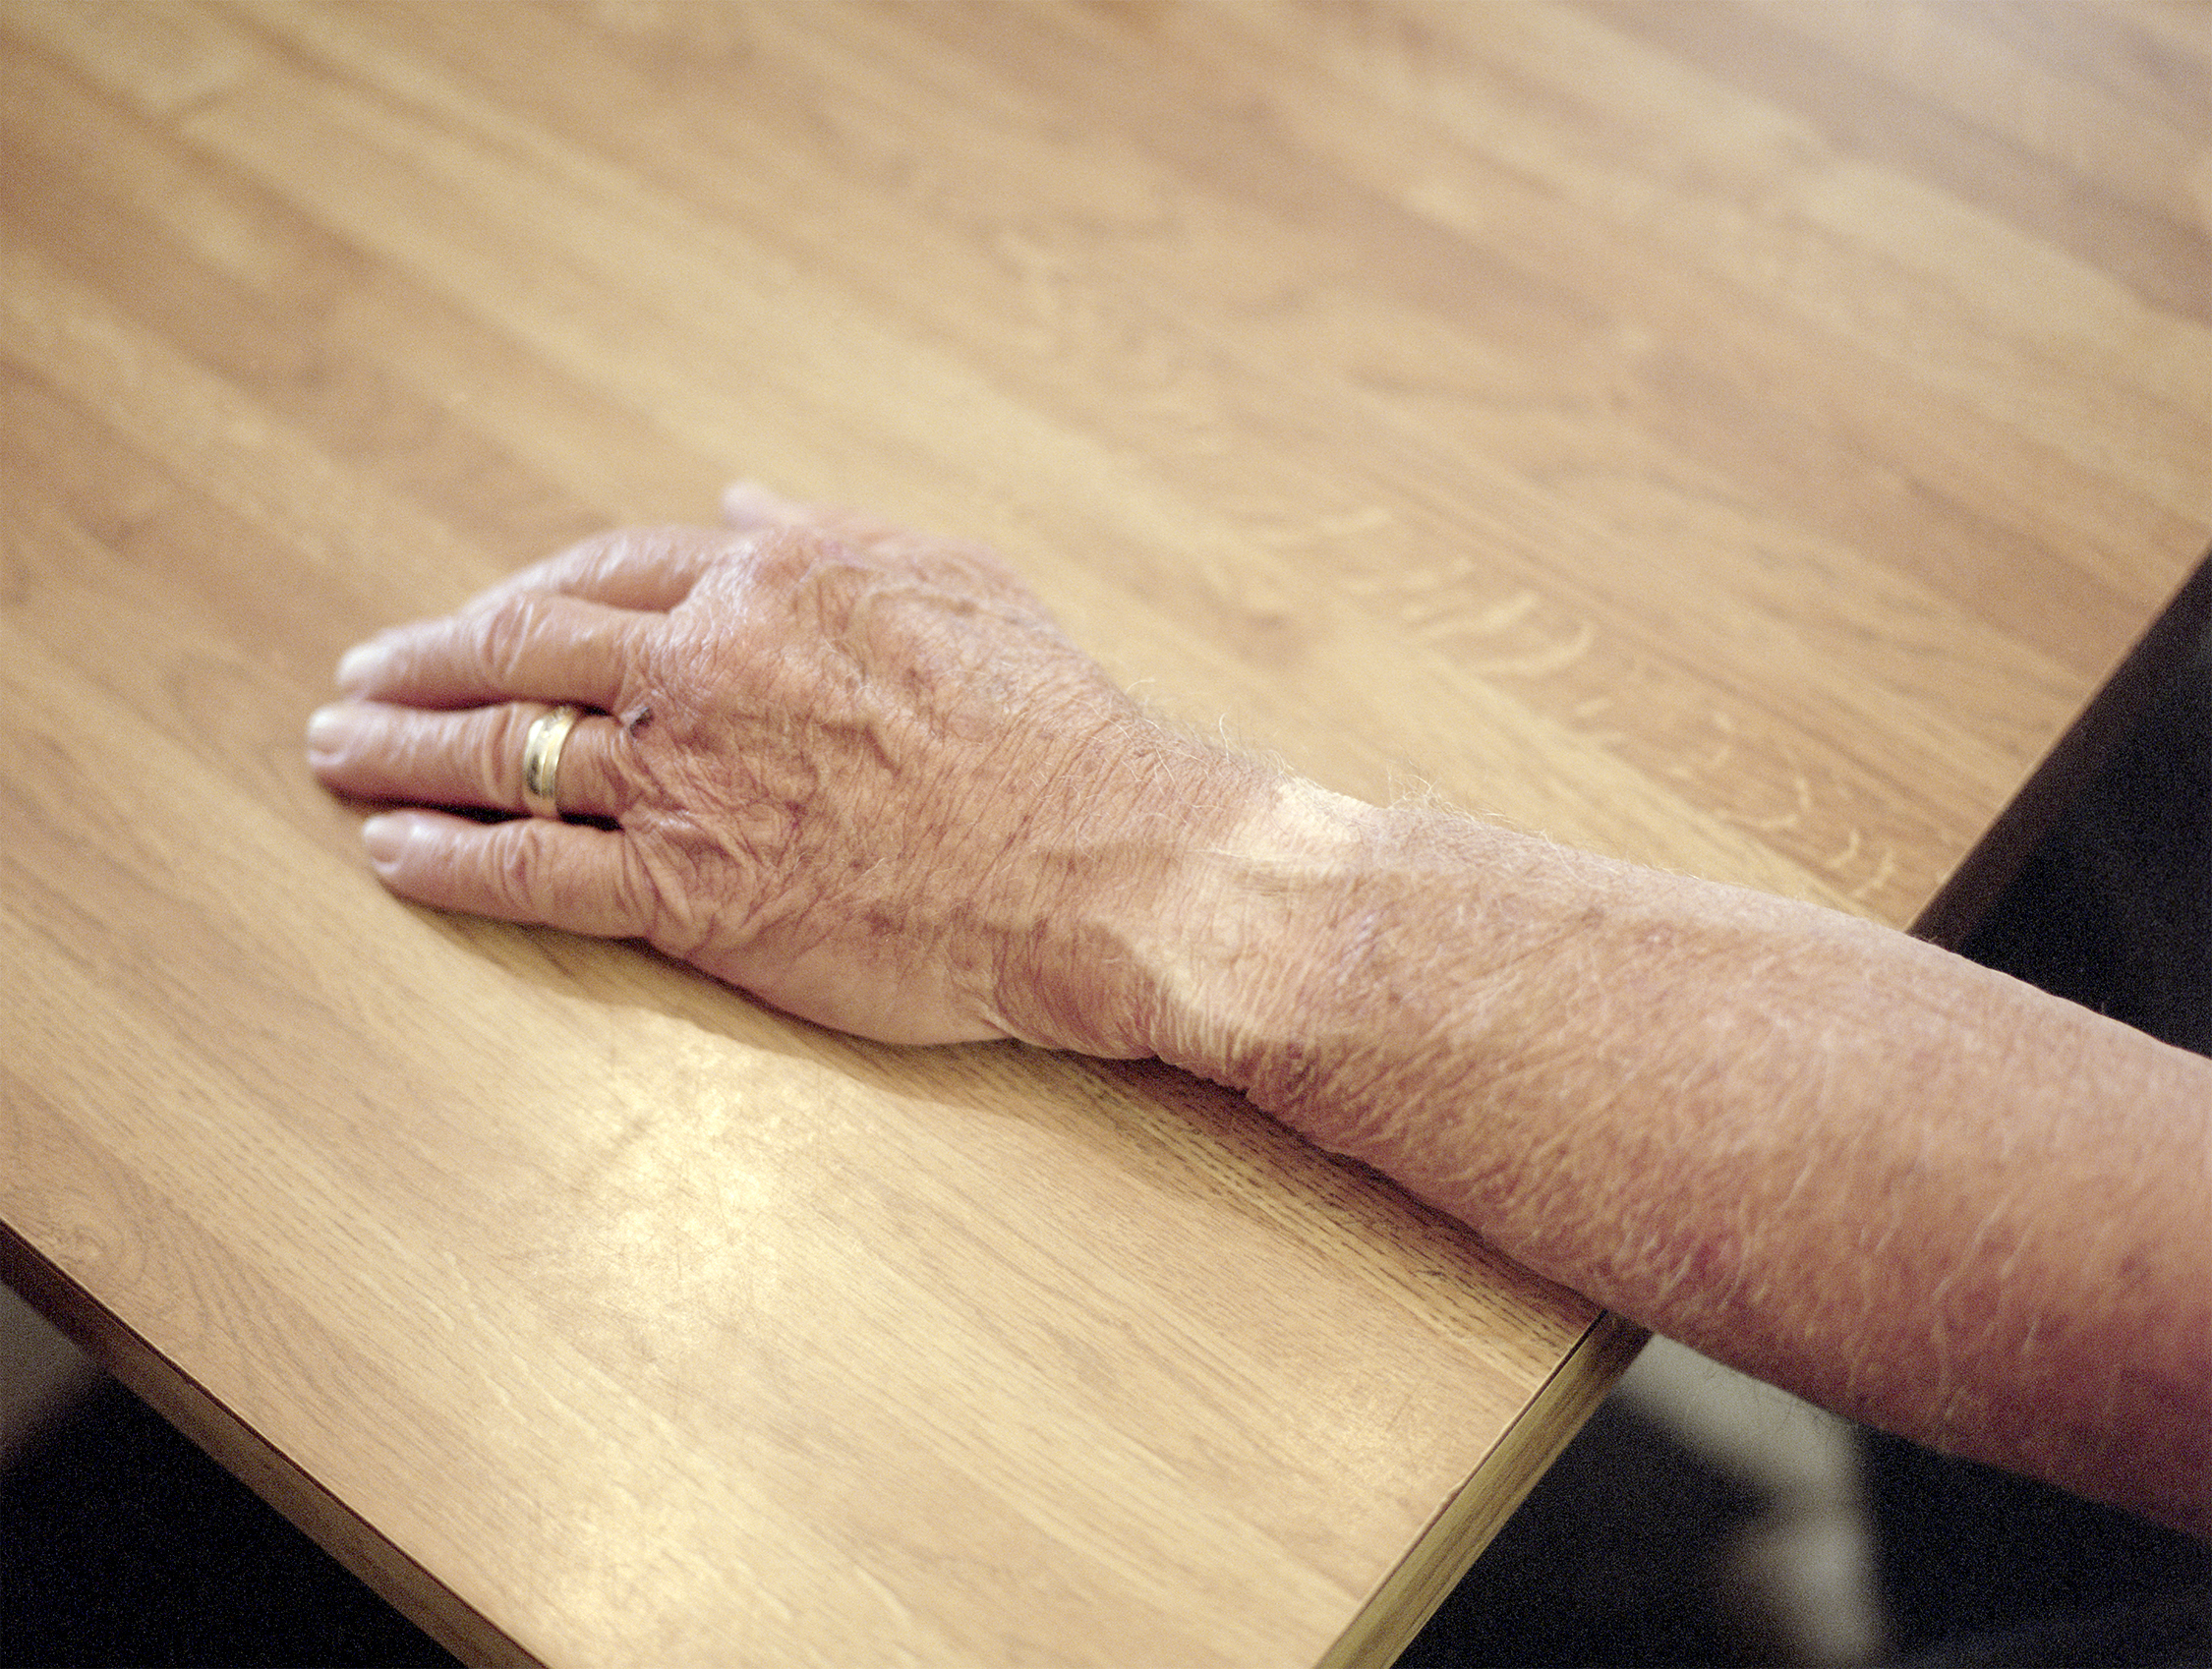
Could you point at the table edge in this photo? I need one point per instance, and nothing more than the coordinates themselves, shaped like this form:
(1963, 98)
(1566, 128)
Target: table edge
(311, 1507)
(2109, 717)
(1410, 1594)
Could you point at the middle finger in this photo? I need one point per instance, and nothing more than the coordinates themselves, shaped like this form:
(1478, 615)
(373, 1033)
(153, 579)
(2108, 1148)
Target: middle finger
(543, 648)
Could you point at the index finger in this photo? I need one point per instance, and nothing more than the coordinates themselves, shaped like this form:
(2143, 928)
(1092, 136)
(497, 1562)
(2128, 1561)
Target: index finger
(749, 507)
(644, 568)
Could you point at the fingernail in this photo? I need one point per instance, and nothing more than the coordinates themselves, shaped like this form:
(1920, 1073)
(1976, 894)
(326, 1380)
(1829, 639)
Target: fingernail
(329, 727)
(359, 665)
(385, 836)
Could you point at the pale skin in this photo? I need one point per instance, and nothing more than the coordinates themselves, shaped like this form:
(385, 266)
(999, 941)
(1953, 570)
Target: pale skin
(858, 773)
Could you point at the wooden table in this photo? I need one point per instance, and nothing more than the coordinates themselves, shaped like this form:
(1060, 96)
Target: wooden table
(1734, 437)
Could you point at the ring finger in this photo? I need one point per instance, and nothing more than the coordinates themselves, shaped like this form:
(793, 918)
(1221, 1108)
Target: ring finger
(405, 755)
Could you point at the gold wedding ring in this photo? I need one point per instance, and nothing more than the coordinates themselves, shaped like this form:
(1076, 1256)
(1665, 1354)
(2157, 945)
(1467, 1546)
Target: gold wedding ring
(540, 760)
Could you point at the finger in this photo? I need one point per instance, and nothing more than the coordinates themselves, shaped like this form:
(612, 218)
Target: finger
(417, 756)
(527, 647)
(748, 507)
(645, 569)
(566, 875)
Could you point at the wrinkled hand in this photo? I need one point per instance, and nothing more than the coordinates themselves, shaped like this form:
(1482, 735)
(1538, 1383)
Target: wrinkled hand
(853, 771)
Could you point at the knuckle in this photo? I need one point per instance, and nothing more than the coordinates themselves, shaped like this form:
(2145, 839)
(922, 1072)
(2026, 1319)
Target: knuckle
(667, 885)
(782, 557)
(502, 636)
(609, 757)
(517, 872)
(497, 756)
(595, 554)
(636, 900)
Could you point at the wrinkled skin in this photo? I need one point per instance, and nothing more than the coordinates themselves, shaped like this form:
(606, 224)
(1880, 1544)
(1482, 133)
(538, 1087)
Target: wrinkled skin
(860, 774)
(853, 771)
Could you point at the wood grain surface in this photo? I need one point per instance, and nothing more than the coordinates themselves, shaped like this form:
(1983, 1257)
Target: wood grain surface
(1737, 438)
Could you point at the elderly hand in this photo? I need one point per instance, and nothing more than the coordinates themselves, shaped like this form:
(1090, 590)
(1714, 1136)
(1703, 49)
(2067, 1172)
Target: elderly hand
(853, 771)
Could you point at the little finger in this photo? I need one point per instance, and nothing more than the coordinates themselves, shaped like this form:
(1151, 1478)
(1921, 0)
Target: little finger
(566, 875)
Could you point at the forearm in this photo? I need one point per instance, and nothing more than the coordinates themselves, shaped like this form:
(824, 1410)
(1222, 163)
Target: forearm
(860, 773)
(1908, 1188)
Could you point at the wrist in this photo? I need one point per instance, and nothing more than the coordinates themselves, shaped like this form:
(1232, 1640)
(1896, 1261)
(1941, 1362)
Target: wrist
(1088, 957)
(1247, 963)
(1341, 963)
